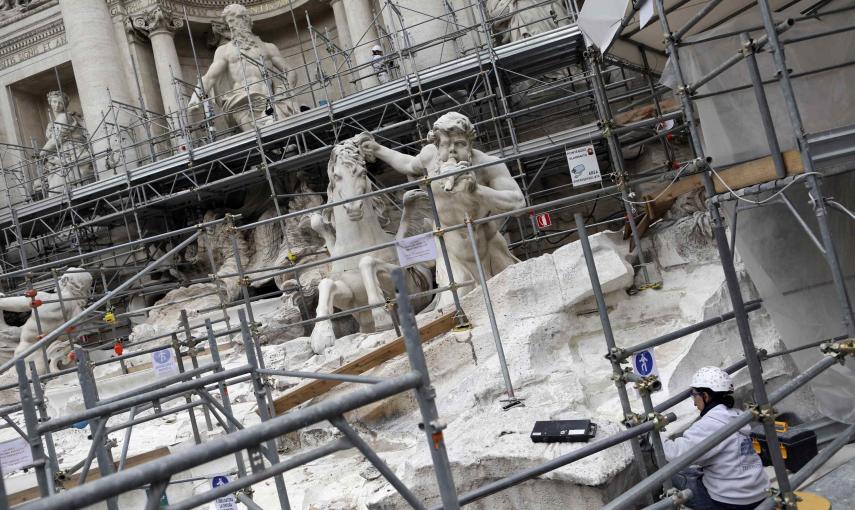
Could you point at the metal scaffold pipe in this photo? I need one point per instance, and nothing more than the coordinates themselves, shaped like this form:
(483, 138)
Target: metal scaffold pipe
(138, 476)
(94, 306)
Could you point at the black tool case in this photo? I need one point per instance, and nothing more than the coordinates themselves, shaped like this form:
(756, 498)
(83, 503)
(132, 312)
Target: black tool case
(563, 431)
(798, 446)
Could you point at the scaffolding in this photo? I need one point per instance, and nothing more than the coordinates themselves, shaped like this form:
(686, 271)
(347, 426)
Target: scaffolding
(147, 162)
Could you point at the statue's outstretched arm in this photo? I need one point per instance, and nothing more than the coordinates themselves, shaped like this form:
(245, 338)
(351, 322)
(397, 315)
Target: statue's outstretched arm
(400, 162)
(15, 304)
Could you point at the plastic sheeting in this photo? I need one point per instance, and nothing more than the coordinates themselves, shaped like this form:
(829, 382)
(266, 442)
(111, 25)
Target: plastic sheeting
(794, 281)
(730, 121)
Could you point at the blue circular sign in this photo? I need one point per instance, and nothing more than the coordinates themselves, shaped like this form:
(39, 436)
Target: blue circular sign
(163, 356)
(643, 362)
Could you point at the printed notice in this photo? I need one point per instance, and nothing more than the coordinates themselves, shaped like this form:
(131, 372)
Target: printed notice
(15, 454)
(163, 362)
(584, 168)
(227, 502)
(415, 249)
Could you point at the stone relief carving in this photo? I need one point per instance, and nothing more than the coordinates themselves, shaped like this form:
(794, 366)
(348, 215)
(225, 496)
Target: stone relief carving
(359, 281)
(65, 155)
(236, 78)
(74, 285)
(476, 194)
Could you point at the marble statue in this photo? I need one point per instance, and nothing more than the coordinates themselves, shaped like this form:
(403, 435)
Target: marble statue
(517, 19)
(476, 194)
(74, 284)
(362, 280)
(236, 76)
(65, 155)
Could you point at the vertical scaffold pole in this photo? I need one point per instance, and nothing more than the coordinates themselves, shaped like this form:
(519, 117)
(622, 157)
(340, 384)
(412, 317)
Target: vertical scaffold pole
(763, 409)
(500, 351)
(749, 50)
(31, 423)
(191, 413)
(261, 392)
(39, 397)
(617, 371)
(191, 350)
(601, 99)
(224, 392)
(90, 399)
(425, 395)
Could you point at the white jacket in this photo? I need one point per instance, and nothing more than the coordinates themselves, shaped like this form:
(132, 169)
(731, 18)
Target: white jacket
(733, 472)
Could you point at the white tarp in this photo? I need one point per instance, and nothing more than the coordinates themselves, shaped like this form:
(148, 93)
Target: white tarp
(599, 21)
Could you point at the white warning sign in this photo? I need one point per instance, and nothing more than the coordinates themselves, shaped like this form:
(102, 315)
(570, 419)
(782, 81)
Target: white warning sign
(584, 168)
(163, 362)
(15, 454)
(415, 249)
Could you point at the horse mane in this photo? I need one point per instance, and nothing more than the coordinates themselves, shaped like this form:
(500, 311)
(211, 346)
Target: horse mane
(350, 150)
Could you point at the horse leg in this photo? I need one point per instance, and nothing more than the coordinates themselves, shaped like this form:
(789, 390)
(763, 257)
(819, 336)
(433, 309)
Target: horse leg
(371, 269)
(330, 293)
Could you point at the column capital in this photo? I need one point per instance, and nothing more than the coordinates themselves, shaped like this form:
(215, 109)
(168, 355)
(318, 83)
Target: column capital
(158, 19)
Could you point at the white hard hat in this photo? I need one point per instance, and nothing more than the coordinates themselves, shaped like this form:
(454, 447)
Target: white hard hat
(713, 378)
(376, 47)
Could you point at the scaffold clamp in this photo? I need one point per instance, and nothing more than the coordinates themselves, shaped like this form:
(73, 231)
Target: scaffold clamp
(764, 413)
(617, 354)
(839, 349)
(784, 500)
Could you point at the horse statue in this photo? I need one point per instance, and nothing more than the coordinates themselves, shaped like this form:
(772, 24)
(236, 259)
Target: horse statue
(363, 280)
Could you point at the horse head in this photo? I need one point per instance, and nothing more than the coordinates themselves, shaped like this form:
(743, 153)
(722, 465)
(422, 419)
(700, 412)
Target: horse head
(348, 177)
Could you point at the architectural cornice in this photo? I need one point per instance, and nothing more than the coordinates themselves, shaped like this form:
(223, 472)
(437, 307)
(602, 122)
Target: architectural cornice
(205, 10)
(34, 41)
(24, 9)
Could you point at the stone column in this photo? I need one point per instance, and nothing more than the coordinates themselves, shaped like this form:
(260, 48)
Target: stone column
(341, 25)
(95, 57)
(425, 22)
(161, 24)
(363, 35)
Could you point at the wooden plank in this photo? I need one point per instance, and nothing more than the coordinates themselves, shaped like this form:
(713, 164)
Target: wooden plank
(737, 177)
(757, 171)
(94, 473)
(314, 388)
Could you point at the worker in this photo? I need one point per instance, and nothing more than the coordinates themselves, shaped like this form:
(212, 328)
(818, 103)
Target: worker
(731, 475)
(378, 62)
